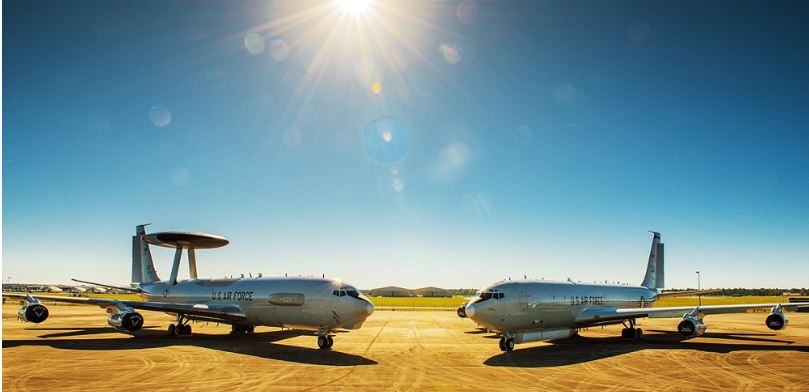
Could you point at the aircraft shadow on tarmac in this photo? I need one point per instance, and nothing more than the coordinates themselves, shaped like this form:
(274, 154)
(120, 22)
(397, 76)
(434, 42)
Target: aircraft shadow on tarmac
(582, 349)
(258, 344)
(74, 331)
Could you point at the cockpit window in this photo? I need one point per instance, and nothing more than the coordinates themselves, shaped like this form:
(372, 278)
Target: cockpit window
(349, 291)
(487, 295)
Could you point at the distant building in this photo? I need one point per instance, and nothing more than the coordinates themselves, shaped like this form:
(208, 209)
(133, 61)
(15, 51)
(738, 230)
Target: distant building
(432, 292)
(800, 299)
(391, 291)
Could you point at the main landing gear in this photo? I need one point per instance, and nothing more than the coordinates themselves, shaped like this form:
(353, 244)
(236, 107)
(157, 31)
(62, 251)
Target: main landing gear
(240, 329)
(182, 327)
(506, 344)
(630, 332)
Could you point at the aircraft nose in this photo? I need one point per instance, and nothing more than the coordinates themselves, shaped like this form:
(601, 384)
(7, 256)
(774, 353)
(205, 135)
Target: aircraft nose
(369, 308)
(470, 310)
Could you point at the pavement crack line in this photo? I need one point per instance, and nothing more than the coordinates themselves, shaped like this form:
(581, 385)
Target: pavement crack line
(375, 336)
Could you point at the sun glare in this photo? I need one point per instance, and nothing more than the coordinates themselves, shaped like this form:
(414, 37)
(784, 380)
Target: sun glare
(354, 7)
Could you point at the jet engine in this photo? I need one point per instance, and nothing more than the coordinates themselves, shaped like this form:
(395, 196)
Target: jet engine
(691, 327)
(35, 313)
(776, 321)
(126, 321)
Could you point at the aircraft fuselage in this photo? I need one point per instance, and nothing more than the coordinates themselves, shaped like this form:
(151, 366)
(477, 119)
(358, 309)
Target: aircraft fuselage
(529, 305)
(301, 303)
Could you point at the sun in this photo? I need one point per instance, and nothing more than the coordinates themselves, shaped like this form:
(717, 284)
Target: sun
(354, 7)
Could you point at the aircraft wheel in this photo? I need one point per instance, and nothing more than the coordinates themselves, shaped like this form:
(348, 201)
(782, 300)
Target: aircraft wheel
(330, 340)
(172, 330)
(251, 328)
(626, 333)
(322, 342)
(186, 329)
(638, 334)
(509, 344)
(502, 344)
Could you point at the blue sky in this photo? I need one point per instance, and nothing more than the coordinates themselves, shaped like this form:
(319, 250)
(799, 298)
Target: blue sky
(417, 143)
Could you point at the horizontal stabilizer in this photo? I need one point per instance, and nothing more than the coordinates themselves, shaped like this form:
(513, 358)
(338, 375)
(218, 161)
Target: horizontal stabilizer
(130, 289)
(687, 293)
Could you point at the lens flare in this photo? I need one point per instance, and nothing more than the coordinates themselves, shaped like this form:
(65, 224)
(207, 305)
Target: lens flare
(386, 140)
(279, 50)
(398, 185)
(452, 162)
(376, 88)
(159, 116)
(451, 53)
(254, 43)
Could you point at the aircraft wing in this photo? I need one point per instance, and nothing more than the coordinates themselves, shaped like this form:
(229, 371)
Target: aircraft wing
(602, 315)
(224, 312)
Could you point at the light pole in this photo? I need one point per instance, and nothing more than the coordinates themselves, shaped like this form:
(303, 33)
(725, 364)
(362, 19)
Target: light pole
(699, 288)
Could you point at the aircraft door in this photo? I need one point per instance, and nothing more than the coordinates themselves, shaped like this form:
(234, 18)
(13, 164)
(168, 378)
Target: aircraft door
(524, 300)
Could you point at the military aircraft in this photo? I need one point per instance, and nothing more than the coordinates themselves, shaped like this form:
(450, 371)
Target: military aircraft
(315, 304)
(530, 310)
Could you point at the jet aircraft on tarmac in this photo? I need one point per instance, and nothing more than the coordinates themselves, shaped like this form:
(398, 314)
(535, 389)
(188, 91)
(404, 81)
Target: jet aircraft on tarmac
(531, 310)
(319, 305)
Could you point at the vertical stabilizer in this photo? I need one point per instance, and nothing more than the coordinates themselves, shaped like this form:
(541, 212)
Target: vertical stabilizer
(137, 269)
(142, 266)
(655, 278)
(660, 278)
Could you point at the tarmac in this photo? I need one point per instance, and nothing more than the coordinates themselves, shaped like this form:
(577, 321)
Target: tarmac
(76, 350)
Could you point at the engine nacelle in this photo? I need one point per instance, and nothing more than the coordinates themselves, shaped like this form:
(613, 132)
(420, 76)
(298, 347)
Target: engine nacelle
(776, 321)
(126, 321)
(35, 313)
(691, 327)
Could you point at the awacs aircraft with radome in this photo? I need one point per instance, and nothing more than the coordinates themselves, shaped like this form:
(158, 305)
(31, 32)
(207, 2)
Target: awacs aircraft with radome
(530, 310)
(319, 305)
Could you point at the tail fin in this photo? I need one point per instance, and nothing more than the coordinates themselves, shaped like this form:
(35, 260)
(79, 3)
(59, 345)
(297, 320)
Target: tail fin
(655, 276)
(142, 266)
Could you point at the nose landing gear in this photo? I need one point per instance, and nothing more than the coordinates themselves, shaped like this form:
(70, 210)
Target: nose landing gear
(506, 344)
(325, 342)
